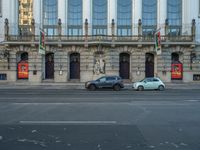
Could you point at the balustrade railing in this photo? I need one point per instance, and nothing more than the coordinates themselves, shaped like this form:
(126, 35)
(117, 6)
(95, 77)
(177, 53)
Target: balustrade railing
(59, 33)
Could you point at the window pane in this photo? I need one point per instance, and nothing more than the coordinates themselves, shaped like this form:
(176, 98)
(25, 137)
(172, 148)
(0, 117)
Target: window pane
(174, 15)
(99, 17)
(75, 17)
(149, 12)
(149, 16)
(174, 12)
(124, 17)
(50, 16)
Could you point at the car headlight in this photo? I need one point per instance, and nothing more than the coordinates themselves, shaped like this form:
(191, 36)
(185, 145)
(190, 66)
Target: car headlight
(134, 85)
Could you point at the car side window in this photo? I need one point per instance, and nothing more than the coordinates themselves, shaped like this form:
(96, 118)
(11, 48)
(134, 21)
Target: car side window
(155, 80)
(102, 79)
(110, 78)
(148, 80)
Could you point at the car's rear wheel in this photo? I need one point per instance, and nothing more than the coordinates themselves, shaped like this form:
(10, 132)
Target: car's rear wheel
(116, 87)
(140, 88)
(92, 87)
(161, 88)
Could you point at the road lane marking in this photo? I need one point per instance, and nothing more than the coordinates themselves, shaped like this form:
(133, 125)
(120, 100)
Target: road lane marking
(68, 122)
(192, 100)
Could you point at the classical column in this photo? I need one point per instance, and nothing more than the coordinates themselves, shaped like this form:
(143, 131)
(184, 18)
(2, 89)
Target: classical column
(193, 29)
(161, 15)
(113, 32)
(139, 27)
(137, 14)
(62, 10)
(112, 7)
(59, 31)
(6, 29)
(33, 30)
(87, 11)
(166, 29)
(86, 32)
(37, 12)
(59, 27)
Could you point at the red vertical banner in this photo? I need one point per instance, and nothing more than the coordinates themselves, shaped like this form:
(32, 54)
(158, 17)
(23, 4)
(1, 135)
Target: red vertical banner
(22, 70)
(177, 71)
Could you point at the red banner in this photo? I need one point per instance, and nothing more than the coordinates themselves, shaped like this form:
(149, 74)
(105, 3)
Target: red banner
(177, 71)
(23, 70)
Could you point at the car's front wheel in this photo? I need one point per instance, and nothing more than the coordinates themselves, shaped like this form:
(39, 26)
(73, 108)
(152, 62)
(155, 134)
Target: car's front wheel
(161, 88)
(116, 87)
(92, 87)
(140, 88)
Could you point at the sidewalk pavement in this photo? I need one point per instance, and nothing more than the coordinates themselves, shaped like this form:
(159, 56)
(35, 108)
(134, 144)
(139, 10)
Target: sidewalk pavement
(53, 85)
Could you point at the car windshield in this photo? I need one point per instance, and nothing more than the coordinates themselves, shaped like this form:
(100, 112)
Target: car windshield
(143, 80)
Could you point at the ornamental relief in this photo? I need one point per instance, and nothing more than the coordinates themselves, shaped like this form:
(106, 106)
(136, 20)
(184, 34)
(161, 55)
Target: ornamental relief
(99, 63)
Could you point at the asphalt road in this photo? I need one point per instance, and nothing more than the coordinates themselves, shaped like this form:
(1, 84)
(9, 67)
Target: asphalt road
(38, 119)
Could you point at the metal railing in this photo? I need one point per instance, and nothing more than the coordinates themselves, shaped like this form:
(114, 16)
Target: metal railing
(96, 38)
(57, 33)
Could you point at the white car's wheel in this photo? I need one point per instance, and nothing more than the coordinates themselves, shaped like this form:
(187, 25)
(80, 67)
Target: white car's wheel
(140, 88)
(161, 88)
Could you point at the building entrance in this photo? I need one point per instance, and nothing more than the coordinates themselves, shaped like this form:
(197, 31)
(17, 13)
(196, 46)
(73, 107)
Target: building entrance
(124, 70)
(49, 66)
(75, 66)
(149, 65)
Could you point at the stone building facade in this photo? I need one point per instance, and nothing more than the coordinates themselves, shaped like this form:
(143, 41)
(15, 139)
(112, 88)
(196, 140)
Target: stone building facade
(98, 50)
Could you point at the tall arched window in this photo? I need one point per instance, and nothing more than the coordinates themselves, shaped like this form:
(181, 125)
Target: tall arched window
(149, 16)
(74, 17)
(99, 17)
(124, 17)
(50, 16)
(174, 16)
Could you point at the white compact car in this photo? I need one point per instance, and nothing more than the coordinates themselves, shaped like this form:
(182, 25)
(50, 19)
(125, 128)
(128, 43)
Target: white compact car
(152, 83)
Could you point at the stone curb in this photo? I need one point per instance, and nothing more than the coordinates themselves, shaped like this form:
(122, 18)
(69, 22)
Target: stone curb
(75, 86)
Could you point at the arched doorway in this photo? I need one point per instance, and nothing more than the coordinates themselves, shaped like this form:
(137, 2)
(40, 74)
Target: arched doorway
(175, 57)
(24, 56)
(75, 66)
(49, 66)
(124, 66)
(22, 65)
(149, 65)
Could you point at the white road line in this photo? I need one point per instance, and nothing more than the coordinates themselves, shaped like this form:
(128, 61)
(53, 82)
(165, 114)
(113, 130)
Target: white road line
(68, 122)
(192, 100)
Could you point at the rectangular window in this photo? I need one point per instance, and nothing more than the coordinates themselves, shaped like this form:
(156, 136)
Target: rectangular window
(174, 16)
(3, 76)
(124, 18)
(50, 16)
(149, 17)
(99, 17)
(75, 17)
(0, 8)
